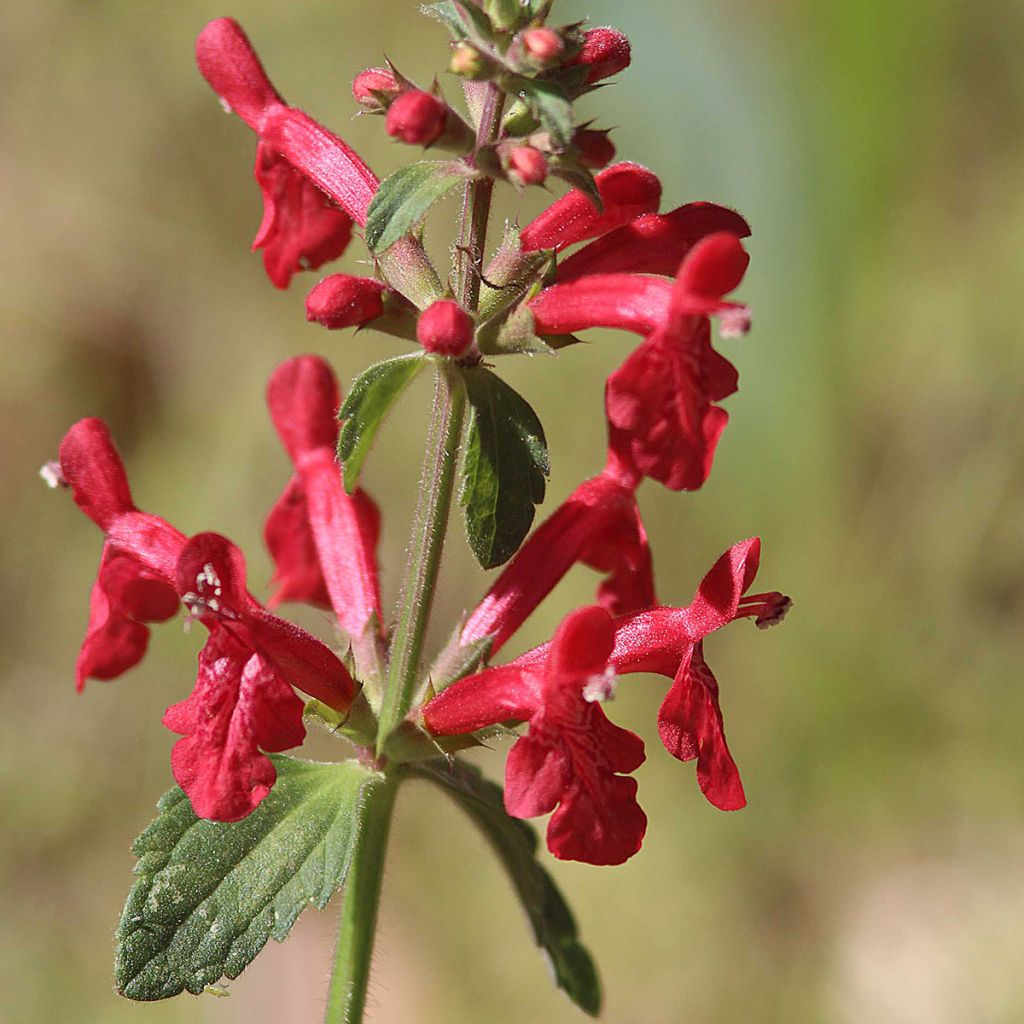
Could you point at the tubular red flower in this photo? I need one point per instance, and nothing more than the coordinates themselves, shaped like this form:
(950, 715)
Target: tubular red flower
(323, 541)
(135, 581)
(661, 399)
(301, 228)
(652, 244)
(670, 641)
(627, 191)
(242, 701)
(605, 52)
(572, 755)
(628, 302)
(445, 328)
(229, 63)
(599, 524)
(342, 300)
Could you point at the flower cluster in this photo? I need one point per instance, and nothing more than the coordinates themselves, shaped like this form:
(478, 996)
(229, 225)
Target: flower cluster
(602, 255)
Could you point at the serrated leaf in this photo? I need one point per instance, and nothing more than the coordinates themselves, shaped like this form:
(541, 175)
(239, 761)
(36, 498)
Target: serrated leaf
(403, 199)
(209, 894)
(503, 473)
(550, 105)
(515, 843)
(366, 405)
(476, 21)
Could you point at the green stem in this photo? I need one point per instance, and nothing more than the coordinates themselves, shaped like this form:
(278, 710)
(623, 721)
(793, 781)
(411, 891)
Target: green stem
(429, 526)
(346, 999)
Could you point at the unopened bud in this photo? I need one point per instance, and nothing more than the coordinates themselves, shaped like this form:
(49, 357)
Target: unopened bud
(375, 88)
(526, 165)
(445, 328)
(543, 46)
(468, 62)
(520, 120)
(605, 53)
(417, 118)
(594, 148)
(342, 300)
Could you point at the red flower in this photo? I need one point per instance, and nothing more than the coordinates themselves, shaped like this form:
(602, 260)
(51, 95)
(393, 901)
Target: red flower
(242, 701)
(313, 184)
(136, 579)
(670, 641)
(301, 229)
(323, 540)
(627, 190)
(571, 754)
(598, 524)
(655, 243)
(662, 397)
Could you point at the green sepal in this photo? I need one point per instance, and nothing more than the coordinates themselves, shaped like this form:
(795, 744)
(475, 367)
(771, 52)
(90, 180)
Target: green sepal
(550, 105)
(504, 469)
(209, 894)
(515, 335)
(569, 169)
(458, 660)
(515, 843)
(372, 395)
(404, 198)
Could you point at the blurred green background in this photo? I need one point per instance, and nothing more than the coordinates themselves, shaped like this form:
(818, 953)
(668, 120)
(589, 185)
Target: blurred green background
(875, 445)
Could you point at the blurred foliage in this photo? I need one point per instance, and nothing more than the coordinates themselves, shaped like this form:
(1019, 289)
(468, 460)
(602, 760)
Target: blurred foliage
(876, 446)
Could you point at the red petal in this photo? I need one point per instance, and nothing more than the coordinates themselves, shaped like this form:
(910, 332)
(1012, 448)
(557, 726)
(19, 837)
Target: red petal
(301, 228)
(713, 268)
(598, 525)
(690, 725)
(289, 539)
(501, 694)
(718, 596)
(628, 302)
(627, 191)
(239, 705)
(302, 395)
(228, 62)
(604, 826)
(94, 471)
(579, 648)
(652, 244)
(537, 774)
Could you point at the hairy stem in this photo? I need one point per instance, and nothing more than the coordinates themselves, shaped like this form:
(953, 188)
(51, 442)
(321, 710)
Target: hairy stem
(346, 999)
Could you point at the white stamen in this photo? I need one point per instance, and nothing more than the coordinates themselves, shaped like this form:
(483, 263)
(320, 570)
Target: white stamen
(602, 687)
(53, 475)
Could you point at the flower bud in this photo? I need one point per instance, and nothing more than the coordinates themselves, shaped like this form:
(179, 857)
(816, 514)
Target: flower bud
(375, 89)
(468, 62)
(342, 300)
(605, 53)
(417, 118)
(445, 328)
(594, 148)
(526, 165)
(543, 46)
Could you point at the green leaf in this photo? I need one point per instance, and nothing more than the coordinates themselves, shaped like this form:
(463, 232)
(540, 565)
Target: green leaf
(209, 894)
(446, 13)
(364, 409)
(504, 469)
(404, 198)
(550, 105)
(515, 843)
